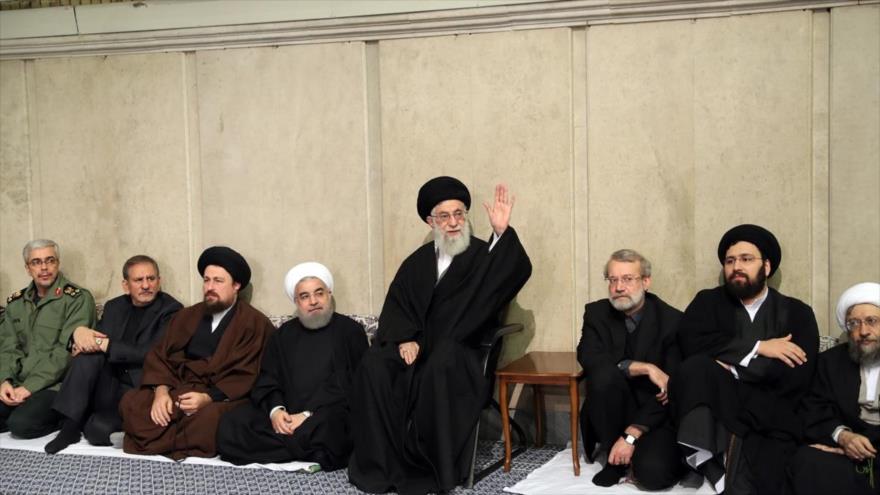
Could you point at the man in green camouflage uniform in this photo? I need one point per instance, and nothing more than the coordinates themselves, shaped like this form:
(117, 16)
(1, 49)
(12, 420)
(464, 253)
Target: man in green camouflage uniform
(34, 335)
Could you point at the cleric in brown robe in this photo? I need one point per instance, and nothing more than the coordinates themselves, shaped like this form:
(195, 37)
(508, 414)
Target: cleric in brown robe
(299, 404)
(420, 388)
(204, 365)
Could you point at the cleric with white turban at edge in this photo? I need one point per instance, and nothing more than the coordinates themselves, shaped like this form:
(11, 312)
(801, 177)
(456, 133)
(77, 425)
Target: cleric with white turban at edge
(841, 412)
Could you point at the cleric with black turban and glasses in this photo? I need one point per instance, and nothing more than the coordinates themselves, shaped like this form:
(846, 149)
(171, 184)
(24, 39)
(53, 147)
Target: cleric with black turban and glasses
(749, 354)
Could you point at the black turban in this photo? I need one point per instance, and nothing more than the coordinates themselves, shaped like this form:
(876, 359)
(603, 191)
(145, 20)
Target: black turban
(438, 190)
(759, 236)
(229, 260)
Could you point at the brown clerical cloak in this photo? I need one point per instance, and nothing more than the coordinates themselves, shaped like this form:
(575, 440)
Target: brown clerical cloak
(232, 370)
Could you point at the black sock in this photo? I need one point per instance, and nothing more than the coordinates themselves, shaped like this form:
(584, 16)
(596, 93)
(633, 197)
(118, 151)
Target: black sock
(609, 475)
(69, 435)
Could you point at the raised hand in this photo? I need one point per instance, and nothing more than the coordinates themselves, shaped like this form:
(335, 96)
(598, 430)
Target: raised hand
(499, 211)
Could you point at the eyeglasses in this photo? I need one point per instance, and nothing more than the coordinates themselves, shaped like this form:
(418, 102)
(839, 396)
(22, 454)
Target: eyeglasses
(626, 280)
(854, 324)
(443, 218)
(745, 259)
(37, 262)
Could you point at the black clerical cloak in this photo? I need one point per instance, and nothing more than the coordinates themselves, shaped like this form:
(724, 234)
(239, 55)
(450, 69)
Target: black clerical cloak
(834, 399)
(303, 370)
(759, 407)
(411, 423)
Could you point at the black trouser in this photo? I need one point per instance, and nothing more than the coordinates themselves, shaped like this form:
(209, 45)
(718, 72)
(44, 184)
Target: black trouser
(90, 396)
(34, 418)
(812, 471)
(609, 408)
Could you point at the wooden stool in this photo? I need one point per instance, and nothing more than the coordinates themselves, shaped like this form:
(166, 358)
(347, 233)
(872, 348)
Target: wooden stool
(536, 369)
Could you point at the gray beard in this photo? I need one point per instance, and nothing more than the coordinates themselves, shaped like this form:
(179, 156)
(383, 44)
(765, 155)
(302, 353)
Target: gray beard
(863, 357)
(320, 320)
(453, 246)
(628, 304)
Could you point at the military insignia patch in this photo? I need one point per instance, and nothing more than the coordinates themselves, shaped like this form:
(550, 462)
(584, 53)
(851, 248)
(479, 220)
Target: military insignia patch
(71, 290)
(15, 295)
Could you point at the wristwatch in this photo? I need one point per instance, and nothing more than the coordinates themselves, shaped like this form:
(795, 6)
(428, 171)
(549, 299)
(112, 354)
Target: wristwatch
(307, 414)
(630, 439)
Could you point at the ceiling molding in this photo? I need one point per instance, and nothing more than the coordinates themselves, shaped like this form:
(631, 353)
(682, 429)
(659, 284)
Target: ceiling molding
(572, 13)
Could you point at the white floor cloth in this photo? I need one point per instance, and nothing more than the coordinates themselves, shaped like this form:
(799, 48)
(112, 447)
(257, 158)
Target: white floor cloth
(84, 448)
(557, 478)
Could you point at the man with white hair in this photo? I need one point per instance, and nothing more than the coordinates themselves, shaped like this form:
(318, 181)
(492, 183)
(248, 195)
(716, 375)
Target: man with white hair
(420, 388)
(842, 410)
(628, 350)
(299, 403)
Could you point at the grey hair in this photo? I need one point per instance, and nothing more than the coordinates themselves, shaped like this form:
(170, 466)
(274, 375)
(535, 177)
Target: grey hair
(630, 256)
(39, 244)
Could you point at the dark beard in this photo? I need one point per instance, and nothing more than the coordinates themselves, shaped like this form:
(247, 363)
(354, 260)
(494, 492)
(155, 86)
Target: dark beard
(215, 307)
(749, 289)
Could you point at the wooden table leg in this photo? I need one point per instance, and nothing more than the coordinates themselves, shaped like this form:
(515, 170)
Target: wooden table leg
(539, 415)
(573, 395)
(505, 420)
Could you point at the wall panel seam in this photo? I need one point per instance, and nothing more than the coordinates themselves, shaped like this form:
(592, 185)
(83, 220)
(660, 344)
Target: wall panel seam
(33, 176)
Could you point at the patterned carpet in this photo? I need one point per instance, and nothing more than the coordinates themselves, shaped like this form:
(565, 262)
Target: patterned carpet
(25, 472)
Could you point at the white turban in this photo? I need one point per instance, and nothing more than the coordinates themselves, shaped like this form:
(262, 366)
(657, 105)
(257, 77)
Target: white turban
(863, 293)
(303, 270)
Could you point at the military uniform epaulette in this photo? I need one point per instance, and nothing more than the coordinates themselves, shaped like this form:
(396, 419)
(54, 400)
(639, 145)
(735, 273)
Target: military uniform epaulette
(72, 290)
(15, 295)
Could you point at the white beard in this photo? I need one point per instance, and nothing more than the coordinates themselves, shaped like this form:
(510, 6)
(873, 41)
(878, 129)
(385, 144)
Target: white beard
(453, 246)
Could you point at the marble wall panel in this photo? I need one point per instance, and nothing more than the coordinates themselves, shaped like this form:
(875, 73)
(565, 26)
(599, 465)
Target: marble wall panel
(110, 179)
(15, 224)
(640, 152)
(657, 136)
(283, 168)
(487, 108)
(752, 139)
(855, 149)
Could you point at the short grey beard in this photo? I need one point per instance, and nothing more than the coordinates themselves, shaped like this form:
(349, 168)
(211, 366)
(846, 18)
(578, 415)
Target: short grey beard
(624, 305)
(860, 357)
(320, 320)
(455, 246)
